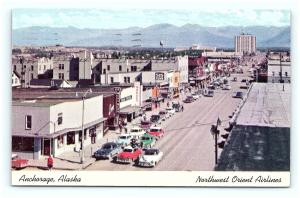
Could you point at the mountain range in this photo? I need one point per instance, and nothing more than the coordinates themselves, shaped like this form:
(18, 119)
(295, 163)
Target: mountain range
(171, 35)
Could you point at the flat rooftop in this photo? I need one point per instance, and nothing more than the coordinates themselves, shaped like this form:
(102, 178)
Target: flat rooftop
(267, 105)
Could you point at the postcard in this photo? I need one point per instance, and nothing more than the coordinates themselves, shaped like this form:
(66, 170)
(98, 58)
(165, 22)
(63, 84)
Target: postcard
(151, 97)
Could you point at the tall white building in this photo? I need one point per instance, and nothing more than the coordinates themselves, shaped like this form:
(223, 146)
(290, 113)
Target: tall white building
(245, 43)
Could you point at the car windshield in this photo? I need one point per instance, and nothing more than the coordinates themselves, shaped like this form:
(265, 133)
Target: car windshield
(151, 152)
(145, 123)
(135, 130)
(107, 146)
(123, 137)
(145, 138)
(128, 150)
(154, 130)
(210, 92)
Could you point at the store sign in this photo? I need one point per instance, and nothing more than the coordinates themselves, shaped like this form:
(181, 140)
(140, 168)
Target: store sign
(159, 76)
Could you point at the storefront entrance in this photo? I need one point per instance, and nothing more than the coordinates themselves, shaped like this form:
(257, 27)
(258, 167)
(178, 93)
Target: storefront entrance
(46, 146)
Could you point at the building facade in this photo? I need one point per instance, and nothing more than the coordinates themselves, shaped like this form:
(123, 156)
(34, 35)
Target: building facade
(245, 43)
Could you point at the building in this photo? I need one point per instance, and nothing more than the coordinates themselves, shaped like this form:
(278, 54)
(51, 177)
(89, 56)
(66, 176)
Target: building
(260, 138)
(15, 79)
(47, 123)
(32, 68)
(245, 43)
(279, 68)
(179, 63)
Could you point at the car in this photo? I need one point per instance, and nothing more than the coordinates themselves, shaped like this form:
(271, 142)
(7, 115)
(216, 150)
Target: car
(150, 158)
(107, 151)
(128, 155)
(155, 118)
(145, 124)
(137, 132)
(170, 110)
(17, 162)
(195, 96)
(211, 86)
(209, 93)
(147, 141)
(188, 100)
(226, 87)
(163, 114)
(244, 80)
(244, 86)
(177, 107)
(238, 94)
(124, 139)
(156, 131)
(234, 79)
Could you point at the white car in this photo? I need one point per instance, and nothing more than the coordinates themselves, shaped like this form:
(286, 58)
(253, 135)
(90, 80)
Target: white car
(137, 132)
(226, 87)
(124, 139)
(170, 110)
(150, 158)
(195, 96)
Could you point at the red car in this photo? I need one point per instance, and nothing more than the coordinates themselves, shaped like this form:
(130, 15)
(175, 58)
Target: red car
(129, 155)
(18, 163)
(156, 131)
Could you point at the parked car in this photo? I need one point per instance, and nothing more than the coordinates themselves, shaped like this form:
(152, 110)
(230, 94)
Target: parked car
(226, 87)
(163, 114)
(170, 110)
(137, 132)
(188, 100)
(108, 150)
(195, 96)
(155, 118)
(156, 131)
(128, 155)
(244, 80)
(17, 162)
(238, 94)
(177, 107)
(145, 124)
(244, 86)
(147, 141)
(124, 139)
(211, 86)
(150, 158)
(209, 93)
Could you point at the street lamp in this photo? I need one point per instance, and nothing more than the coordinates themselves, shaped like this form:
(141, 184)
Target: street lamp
(82, 126)
(215, 133)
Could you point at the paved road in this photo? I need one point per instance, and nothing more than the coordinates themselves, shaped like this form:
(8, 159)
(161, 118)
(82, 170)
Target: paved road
(188, 143)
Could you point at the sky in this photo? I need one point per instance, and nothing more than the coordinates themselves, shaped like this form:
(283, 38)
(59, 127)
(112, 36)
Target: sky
(117, 19)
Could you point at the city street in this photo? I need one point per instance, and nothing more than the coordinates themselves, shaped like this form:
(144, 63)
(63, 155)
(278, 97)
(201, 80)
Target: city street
(188, 143)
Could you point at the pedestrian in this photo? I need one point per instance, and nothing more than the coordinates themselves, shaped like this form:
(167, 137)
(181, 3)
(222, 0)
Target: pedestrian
(50, 162)
(182, 108)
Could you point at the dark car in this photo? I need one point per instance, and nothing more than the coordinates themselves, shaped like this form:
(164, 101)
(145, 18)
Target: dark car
(155, 118)
(238, 94)
(244, 80)
(108, 150)
(188, 100)
(211, 86)
(209, 93)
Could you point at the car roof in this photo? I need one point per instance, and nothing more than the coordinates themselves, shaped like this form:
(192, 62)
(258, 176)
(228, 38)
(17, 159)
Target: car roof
(155, 127)
(110, 143)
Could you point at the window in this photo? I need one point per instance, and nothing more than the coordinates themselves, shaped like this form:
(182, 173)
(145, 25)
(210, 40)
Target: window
(120, 67)
(280, 74)
(125, 80)
(70, 138)
(286, 74)
(61, 76)
(15, 67)
(44, 67)
(59, 118)
(60, 66)
(39, 68)
(60, 141)
(273, 73)
(128, 79)
(31, 76)
(111, 79)
(24, 66)
(31, 67)
(108, 67)
(104, 71)
(22, 144)
(28, 122)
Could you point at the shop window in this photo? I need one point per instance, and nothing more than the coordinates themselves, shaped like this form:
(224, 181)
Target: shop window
(22, 144)
(60, 141)
(286, 74)
(125, 80)
(28, 122)
(111, 79)
(31, 67)
(120, 67)
(70, 138)
(108, 67)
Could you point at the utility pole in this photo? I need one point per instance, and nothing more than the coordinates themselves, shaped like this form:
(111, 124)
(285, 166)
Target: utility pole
(215, 133)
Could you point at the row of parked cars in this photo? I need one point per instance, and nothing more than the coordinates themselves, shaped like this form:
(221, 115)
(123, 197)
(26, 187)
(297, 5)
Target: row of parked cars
(138, 145)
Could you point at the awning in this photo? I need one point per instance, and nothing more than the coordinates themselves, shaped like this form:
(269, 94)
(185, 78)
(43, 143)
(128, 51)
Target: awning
(61, 132)
(146, 104)
(129, 110)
